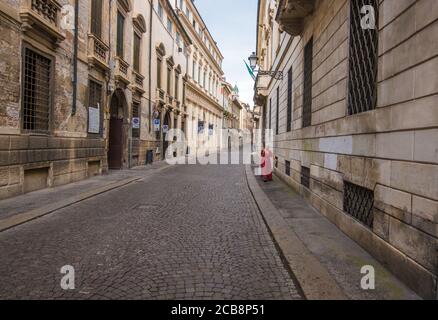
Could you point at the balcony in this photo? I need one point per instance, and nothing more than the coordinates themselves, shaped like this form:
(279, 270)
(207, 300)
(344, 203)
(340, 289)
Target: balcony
(160, 96)
(121, 71)
(138, 82)
(291, 15)
(97, 53)
(41, 19)
(169, 101)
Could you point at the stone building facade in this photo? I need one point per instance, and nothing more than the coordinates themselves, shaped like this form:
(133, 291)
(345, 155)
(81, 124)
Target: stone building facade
(44, 135)
(204, 110)
(355, 120)
(75, 104)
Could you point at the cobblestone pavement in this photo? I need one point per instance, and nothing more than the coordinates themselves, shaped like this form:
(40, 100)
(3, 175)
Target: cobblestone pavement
(189, 232)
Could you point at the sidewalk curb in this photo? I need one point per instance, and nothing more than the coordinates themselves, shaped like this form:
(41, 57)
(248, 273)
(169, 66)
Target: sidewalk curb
(313, 278)
(24, 217)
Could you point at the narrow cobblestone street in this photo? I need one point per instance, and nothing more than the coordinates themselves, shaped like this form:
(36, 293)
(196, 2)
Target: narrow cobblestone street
(188, 232)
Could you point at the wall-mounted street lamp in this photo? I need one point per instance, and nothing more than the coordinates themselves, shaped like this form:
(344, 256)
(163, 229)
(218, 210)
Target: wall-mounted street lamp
(253, 64)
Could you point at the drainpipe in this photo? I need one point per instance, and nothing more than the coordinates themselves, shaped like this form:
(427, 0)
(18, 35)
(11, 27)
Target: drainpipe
(75, 59)
(150, 65)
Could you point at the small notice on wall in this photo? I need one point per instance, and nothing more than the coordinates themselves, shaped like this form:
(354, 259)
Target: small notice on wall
(94, 119)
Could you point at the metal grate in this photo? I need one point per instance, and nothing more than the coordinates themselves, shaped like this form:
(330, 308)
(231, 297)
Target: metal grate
(358, 203)
(305, 177)
(307, 90)
(36, 92)
(287, 168)
(362, 87)
(289, 100)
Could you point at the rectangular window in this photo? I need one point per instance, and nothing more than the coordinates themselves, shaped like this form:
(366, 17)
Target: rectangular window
(95, 101)
(205, 79)
(96, 18)
(136, 114)
(178, 39)
(358, 203)
(169, 25)
(270, 113)
(176, 85)
(362, 84)
(194, 70)
(169, 80)
(289, 100)
(305, 177)
(120, 33)
(160, 10)
(187, 13)
(37, 93)
(277, 113)
(137, 41)
(287, 168)
(307, 90)
(159, 70)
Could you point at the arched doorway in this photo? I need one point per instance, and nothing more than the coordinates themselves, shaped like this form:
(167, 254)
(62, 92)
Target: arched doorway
(116, 136)
(166, 124)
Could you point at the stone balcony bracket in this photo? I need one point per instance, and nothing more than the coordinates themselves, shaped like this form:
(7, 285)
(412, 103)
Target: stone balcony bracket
(291, 15)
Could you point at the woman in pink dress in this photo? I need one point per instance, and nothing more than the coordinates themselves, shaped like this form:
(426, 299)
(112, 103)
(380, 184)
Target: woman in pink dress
(266, 165)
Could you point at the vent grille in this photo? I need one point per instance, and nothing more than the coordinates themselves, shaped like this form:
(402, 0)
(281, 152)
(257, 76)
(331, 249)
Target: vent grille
(358, 203)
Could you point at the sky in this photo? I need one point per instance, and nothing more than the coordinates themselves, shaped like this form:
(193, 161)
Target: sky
(232, 23)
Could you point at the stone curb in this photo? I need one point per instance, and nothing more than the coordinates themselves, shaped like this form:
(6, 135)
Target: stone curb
(24, 217)
(313, 278)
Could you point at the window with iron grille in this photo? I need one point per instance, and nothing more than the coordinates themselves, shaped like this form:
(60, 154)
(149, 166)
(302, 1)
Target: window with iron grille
(137, 41)
(307, 90)
(135, 114)
(36, 92)
(289, 100)
(287, 168)
(96, 18)
(359, 202)
(120, 33)
(362, 85)
(276, 162)
(278, 111)
(95, 99)
(305, 177)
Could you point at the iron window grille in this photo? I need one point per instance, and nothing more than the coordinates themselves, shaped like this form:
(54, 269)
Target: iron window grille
(362, 87)
(96, 18)
(307, 89)
(95, 99)
(289, 100)
(287, 168)
(305, 177)
(277, 112)
(135, 114)
(358, 203)
(36, 92)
